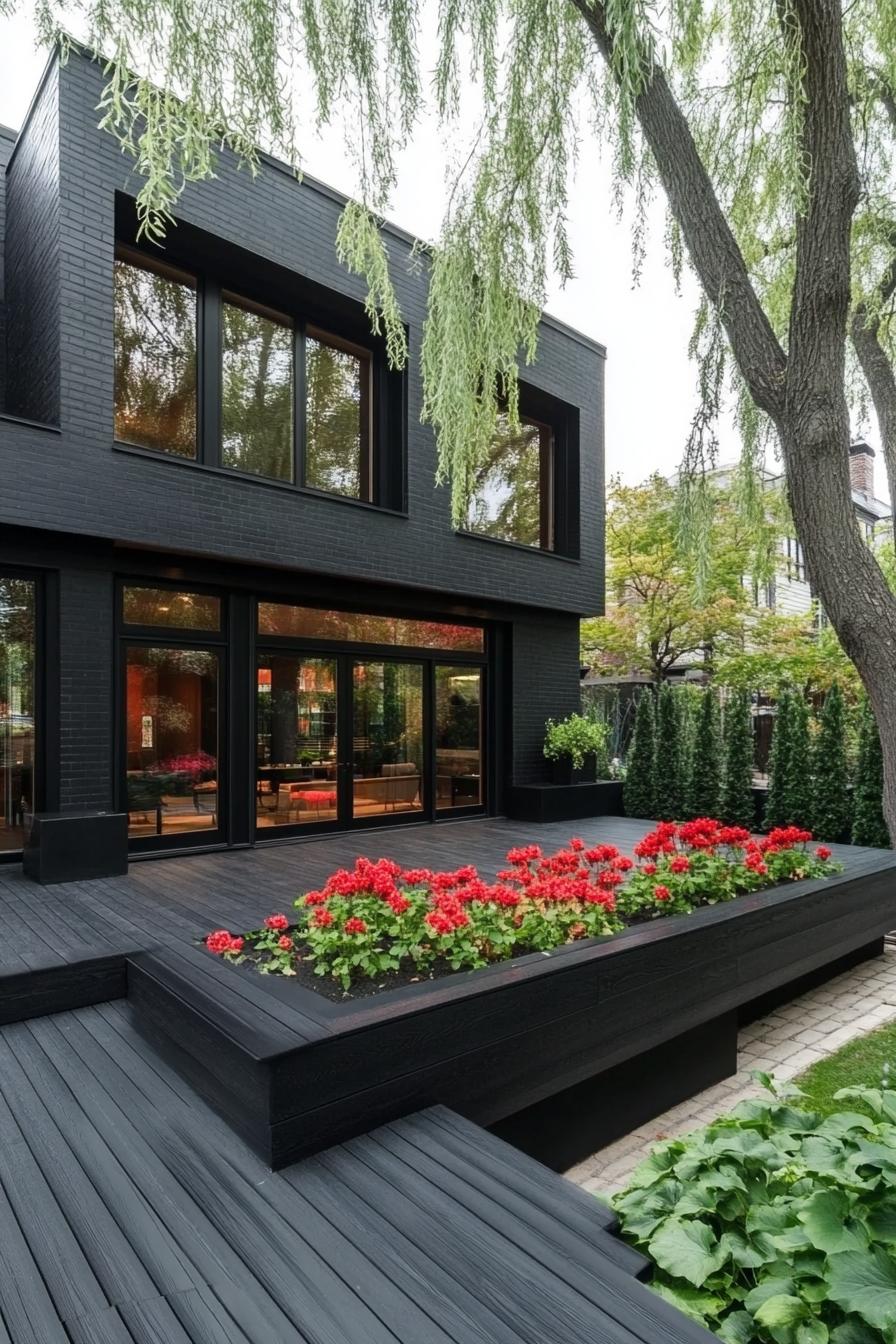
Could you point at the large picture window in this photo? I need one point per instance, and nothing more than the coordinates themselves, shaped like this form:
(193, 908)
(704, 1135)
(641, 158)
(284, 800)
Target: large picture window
(511, 497)
(17, 697)
(155, 356)
(337, 417)
(235, 381)
(256, 391)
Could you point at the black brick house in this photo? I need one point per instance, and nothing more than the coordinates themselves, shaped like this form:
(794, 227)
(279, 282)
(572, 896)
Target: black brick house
(232, 602)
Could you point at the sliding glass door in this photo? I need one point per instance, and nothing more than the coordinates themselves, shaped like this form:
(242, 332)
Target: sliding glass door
(347, 740)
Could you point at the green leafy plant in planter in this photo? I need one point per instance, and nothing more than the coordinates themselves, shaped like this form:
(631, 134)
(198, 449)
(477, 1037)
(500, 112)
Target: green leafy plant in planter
(776, 1224)
(577, 744)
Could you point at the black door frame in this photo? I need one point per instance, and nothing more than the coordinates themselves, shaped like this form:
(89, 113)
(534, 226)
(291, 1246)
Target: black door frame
(218, 642)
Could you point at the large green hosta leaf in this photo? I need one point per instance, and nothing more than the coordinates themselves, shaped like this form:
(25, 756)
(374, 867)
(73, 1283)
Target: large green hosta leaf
(864, 1282)
(830, 1226)
(687, 1249)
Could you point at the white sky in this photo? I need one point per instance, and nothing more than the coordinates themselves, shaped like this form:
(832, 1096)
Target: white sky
(650, 394)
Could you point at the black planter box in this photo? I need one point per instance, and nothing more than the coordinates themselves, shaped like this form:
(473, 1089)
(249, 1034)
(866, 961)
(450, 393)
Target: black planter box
(607, 1023)
(73, 846)
(565, 802)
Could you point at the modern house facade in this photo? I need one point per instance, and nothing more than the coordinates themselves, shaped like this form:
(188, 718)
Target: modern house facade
(232, 601)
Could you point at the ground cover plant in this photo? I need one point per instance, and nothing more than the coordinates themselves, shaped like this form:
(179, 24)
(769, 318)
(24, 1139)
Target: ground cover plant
(859, 1063)
(777, 1223)
(379, 920)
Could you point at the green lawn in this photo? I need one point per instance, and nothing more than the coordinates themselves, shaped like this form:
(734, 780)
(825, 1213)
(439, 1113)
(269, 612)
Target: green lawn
(860, 1063)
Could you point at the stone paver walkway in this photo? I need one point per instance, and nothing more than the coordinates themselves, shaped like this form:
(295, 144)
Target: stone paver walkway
(784, 1043)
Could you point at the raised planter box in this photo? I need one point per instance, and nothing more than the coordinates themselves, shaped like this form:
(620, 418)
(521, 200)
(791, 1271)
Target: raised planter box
(76, 846)
(616, 1018)
(565, 802)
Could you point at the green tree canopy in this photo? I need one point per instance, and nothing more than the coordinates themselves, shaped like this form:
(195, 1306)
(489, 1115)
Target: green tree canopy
(662, 604)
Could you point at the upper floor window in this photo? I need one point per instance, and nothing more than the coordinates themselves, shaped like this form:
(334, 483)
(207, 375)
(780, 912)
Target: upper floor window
(257, 381)
(795, 560)
(155, 357)
(337, 416)
(258, 391)
(512, 496)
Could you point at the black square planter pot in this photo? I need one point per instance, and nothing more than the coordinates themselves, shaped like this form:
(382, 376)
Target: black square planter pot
(72, 846)
(565, 802)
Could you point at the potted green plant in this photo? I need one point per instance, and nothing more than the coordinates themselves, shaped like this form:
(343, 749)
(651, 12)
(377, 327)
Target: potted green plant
(576, 746)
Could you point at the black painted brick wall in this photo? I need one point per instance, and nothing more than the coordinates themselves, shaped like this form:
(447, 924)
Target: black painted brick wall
(32, 262)
(79, 483)
(7, 140)
(86, 690)
(545, 684)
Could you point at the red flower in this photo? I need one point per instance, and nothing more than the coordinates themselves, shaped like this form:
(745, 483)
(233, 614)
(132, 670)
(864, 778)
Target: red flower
(602, 854)
(316, 898)
(680, 864)
(276, 922)
(576, 845)
(823, 853)
(322, 919)
(577, 930)
(528, 854)
(355, 925)
(734, 836)
(622, 863)
(649, 869)
(416, 877)
(285, 944)
(662, 893)
(219, 941)
(235, 945)
(398, 903)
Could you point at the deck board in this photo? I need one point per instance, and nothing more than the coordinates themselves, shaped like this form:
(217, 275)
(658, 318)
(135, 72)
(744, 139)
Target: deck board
(130, 1213)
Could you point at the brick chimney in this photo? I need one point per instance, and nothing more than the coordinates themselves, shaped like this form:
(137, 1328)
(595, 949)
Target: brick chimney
(861, 468)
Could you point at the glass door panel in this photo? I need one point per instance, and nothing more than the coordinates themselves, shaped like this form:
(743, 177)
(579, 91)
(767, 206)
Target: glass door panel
(297, 740)
(17, 635)
(458, 733)
(387, 746)
(172, 740)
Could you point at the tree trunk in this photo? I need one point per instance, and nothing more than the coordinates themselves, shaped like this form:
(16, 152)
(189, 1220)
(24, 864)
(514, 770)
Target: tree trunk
(803, 391)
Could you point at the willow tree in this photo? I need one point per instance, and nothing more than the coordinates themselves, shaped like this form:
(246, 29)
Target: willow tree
(769, 124)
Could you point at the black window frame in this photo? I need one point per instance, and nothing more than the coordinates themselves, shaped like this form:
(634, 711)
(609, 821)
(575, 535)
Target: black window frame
(559, 483)
(223, 272)
(46, 691)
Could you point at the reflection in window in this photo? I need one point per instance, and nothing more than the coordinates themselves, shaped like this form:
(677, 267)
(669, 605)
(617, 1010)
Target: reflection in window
(172, 610)
(337, 417)
(388, 738)
(172, 740)
(510, 491)
(278, 618)
(458, 736)
(296, 769)
(155, 357)
(256, 393)
(17, 635)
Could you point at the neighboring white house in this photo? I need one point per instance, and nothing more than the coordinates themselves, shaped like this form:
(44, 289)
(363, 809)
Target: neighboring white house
(790, 592)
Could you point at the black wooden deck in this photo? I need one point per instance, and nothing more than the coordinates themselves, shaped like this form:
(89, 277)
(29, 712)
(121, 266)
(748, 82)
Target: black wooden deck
(130, 1214)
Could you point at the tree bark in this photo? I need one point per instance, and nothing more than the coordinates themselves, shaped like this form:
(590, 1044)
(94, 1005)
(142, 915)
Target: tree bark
(804, 391)
(879, 372)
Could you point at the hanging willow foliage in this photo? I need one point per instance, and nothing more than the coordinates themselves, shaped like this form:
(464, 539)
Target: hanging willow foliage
(243, 73)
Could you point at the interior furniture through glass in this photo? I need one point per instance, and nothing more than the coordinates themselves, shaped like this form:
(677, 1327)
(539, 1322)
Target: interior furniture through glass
(171, 699)
(297, 740)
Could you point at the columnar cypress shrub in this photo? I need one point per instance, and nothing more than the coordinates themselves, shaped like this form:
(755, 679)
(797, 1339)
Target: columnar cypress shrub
(738, 808)
(687, 698)
(790, 779)
(869, 827)
(831, 802)
(640, 772)
(779, 762)
(705, 790)
(668, 795)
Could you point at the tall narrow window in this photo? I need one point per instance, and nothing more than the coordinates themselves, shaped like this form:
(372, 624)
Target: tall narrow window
(337, 417)
(17, 633)
(257, 391)
(155, 356)
(511, 494)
